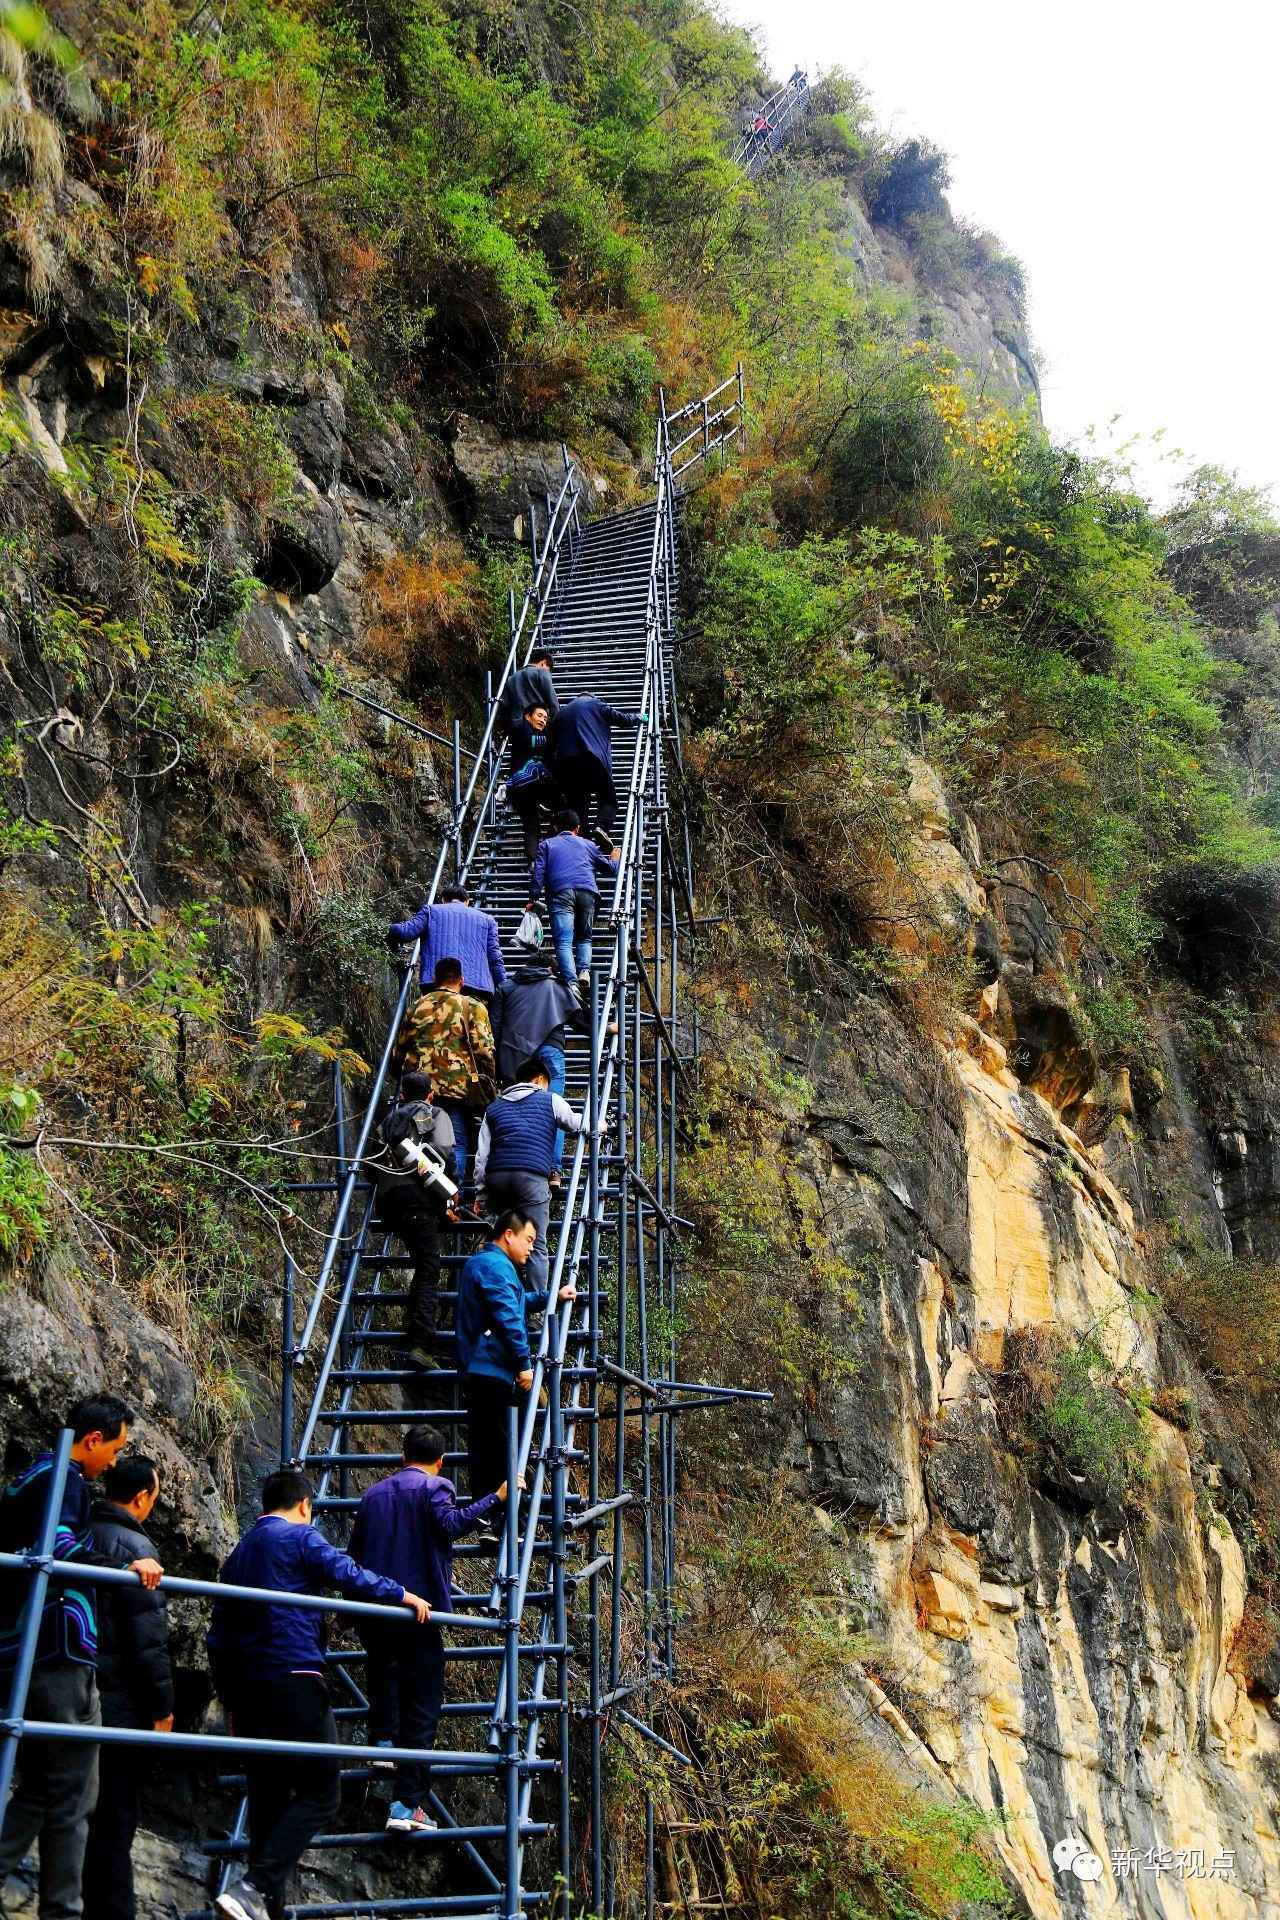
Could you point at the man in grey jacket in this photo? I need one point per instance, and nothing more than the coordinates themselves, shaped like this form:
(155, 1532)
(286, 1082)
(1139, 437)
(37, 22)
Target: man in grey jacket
(516, 1155)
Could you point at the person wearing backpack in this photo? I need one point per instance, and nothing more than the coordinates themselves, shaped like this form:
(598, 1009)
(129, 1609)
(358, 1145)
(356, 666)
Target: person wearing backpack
(414, 1202)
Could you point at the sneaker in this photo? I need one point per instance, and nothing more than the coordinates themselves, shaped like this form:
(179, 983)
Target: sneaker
(242, 1903)
(489, 1541)
(602, 840)
(584, 978)
(403, 1819)
(383, 1766)
(423, 1359)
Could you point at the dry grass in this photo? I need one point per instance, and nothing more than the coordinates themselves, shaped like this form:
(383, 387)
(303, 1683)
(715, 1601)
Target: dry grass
(420, 605)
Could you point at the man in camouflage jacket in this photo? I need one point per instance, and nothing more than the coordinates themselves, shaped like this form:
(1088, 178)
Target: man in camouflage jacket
(447, 1036)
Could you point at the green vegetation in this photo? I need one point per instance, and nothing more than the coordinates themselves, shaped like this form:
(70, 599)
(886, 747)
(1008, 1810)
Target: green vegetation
(1068, 1395)
(793, 1809)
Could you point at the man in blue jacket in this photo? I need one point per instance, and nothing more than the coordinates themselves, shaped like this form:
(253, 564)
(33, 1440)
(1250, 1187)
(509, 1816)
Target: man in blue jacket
(582, 755)
(494, 1361)
(58, 1779)
(405, 1528)
(268, 1666)
(454, 929)
(565, 870)
(517, 1153)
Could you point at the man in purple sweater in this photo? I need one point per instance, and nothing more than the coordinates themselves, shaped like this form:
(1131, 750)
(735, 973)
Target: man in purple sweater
(453, 928)
(565, 868)
(405, 1529)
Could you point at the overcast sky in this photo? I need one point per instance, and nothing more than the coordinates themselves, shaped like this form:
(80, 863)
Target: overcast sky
(1126, 151)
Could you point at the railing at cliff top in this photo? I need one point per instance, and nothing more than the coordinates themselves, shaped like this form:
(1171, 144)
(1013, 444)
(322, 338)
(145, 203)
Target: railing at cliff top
(782, 108)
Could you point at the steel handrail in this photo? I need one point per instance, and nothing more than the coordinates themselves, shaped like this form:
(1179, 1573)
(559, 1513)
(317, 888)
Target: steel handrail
(559, 527)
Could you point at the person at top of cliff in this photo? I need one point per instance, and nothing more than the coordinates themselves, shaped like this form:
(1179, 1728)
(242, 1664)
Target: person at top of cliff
(453, 927)
(530, 686)
(405, 1528)
(58, 1779)
(135, 1682)
(269, 1668)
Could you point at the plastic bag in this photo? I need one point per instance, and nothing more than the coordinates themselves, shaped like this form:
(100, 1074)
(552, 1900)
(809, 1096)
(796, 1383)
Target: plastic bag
(530, 932)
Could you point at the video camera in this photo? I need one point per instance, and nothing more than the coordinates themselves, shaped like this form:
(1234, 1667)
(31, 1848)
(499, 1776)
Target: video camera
(426, 1161)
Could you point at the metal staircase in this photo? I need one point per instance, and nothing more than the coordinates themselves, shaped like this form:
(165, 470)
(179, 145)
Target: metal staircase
(574, 1619)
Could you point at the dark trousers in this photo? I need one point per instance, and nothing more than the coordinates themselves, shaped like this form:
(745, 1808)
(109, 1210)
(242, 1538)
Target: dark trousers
(488, 1403)
(404, 1675)
(290, 1800)
(466, 1128)
(56, 1790)
(108, 1860)
(528, 806)
(415, 1220)
(581, 776)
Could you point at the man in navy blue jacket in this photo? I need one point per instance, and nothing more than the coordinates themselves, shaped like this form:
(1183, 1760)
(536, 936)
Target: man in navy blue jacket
(268, 1666)
(405, 1528)
(582, 752)
(58, 1779)
(565, 868)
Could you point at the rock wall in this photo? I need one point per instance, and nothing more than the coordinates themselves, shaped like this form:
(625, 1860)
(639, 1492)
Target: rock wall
(1053, 1653)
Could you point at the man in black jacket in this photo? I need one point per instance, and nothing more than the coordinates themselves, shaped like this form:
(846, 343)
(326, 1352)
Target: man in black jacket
(135, 1683)
(530, 686)
(414, 1206)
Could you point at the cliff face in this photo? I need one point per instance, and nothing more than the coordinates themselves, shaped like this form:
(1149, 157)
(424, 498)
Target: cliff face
(969, 307)
(1057, 1647)
(1064, 1655)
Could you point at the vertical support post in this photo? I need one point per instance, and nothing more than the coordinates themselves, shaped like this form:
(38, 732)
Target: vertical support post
(32, 1613)
(511, 1663)
(593, 1470)
(340, 1119)
(457, 798)
(286, 1361)
(559, 1605)
(533, 533)
(490, 756)
(706, 430)
(511, 611)
(742, 408)
(621, 1284)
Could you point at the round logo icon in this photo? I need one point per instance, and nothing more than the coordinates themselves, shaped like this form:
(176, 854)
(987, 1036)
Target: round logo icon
(1071, 1855)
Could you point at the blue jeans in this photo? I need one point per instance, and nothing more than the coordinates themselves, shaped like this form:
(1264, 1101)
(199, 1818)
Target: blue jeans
(573, 914)
(461, 1119)
(553, 1058)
